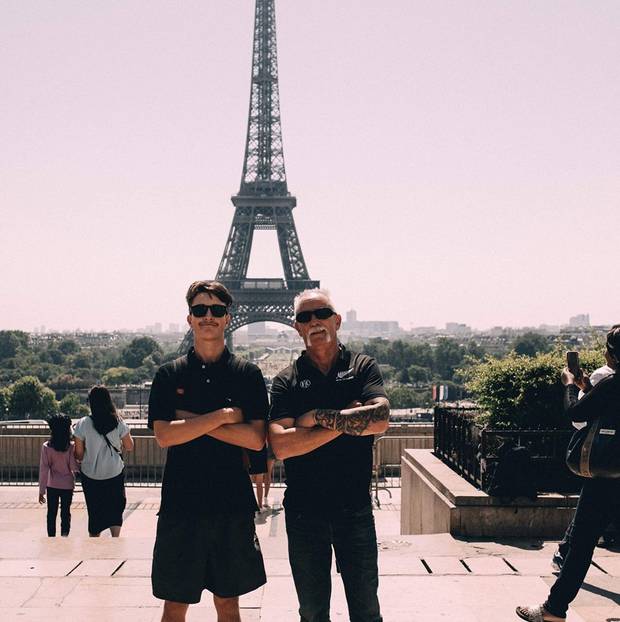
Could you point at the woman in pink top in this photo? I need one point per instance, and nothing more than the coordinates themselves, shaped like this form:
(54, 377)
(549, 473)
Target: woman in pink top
(56, 474)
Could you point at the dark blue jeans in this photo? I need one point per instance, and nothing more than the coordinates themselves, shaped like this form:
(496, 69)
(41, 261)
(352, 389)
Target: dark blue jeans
(599, 504)
(354, 540)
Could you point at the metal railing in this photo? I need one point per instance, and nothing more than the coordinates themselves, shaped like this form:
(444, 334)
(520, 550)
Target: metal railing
(387, 451)
(473, 450)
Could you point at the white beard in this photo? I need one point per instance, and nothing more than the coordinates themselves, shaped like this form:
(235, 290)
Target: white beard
(326, 336)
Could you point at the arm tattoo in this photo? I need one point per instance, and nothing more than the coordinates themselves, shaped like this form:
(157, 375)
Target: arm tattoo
(356, 424)
(330, 419)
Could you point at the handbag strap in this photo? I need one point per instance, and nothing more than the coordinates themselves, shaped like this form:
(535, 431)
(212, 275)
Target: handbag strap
(586, 449)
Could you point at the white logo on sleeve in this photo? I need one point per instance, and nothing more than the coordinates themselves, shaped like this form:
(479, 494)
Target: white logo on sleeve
(305, 383)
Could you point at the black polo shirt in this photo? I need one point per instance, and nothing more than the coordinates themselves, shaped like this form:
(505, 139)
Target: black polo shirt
(205, 475)
(336, 475)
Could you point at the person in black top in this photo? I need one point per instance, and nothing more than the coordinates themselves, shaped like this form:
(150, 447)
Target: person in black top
(325, 409)
(206, 407)
(599, 502)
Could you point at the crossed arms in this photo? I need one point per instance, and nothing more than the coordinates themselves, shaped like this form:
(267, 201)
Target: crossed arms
(294, 437)
(224, 424)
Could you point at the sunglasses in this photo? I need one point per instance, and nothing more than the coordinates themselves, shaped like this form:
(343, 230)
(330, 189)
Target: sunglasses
(303, 317)
(201, 310)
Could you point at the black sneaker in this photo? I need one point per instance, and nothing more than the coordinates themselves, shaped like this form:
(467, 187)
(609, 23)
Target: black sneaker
(557, 561)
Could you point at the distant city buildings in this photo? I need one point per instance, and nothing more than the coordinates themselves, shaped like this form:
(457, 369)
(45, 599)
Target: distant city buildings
(581, 320)
(578, 331)
(352, 327)
(458, 330)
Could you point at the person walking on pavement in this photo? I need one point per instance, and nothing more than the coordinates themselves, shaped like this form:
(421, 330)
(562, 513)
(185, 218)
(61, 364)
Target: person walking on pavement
(599, 501)
(57, 468)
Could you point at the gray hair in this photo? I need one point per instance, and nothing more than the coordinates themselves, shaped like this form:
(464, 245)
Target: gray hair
(309, 293)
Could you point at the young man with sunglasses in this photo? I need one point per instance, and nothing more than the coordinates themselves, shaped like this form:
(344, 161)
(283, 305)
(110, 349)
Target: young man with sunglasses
(325, 409)
(205, 407)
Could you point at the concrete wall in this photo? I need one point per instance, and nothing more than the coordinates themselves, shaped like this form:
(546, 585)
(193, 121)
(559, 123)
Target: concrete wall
(20, 451)
(24, 451)
(401, 436)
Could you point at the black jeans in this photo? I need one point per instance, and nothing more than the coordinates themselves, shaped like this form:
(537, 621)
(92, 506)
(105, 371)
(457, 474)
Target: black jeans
(55, 495)
(610, 533)
(353, 538)
(599, 504)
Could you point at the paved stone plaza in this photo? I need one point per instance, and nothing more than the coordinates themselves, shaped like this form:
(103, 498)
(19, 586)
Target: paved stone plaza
(422, 578)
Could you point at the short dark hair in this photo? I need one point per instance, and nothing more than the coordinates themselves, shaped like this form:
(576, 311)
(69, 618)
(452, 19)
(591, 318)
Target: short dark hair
(215, 288)
(613, 342)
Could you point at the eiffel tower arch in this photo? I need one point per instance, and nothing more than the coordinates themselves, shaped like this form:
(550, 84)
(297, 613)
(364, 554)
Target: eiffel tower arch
(263, 201)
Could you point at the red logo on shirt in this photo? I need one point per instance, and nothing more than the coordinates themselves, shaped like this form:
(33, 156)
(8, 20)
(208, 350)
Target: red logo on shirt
(180, 391)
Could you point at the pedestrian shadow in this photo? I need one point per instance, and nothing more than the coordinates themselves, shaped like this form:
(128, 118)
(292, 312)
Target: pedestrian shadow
(533, 544)
(599, 591)
(261, 517)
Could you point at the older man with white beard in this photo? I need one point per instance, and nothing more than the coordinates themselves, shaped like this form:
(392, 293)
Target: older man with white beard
(325, 409)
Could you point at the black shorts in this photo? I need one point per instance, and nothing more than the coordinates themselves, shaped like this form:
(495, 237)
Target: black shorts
(216, 553)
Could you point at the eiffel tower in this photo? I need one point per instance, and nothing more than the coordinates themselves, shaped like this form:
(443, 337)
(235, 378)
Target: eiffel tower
(263, 201)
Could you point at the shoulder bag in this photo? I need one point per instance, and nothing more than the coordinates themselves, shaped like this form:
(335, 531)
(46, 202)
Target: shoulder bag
(594, 451)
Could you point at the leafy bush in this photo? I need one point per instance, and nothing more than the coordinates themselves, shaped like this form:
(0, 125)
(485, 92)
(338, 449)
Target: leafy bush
(523, 392)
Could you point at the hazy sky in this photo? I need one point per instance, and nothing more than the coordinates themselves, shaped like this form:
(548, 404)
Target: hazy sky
(452, 160)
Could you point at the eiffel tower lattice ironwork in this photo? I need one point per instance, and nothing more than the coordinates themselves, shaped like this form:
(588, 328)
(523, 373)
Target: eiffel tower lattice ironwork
(263, 201)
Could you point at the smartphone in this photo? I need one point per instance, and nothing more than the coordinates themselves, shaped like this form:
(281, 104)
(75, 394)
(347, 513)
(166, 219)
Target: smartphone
(572, 362)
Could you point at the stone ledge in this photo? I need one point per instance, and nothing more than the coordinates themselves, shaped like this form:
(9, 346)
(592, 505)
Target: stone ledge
(435, 499)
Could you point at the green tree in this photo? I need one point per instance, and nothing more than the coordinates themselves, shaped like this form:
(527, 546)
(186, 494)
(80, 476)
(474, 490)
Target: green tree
(5, 398)
(11, 341)
(421, 355)
(138, 349)
(474, 350)
(118, 375)
(71, 405)
(417, 373)
(376, 347)
(403, 376)
(30, 399)
(448, 356)
(81, 360)
(401, 396)
(68, 346)
(54, 355)
(531, 344)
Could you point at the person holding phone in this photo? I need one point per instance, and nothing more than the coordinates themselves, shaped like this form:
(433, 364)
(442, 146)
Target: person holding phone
(595, 377)
(599, 501)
